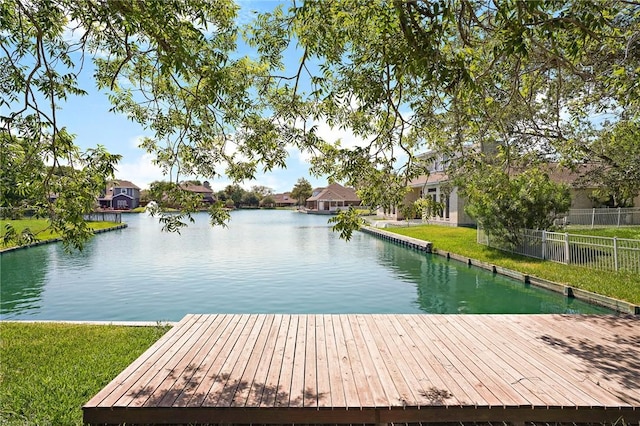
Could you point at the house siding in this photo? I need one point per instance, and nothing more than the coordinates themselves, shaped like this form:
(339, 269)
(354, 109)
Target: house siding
(124, 202)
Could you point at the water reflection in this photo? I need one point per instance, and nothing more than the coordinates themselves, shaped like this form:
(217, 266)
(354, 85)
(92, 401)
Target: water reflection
(451, 287)
(22, 282)
(264, 262)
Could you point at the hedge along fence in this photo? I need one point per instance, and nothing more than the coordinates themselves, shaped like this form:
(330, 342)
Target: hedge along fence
(604, 253)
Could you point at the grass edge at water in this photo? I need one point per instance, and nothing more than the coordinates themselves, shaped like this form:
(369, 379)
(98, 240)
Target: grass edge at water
(462, 241)
(39, 227)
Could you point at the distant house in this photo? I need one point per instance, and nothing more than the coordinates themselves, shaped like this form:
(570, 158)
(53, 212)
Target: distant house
(332, 198)
(284, 200)
(203, 190)
(120, 195)
(438, 186)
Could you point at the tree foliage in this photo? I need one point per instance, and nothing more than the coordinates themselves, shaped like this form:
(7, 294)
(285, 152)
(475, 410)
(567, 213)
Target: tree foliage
(165, 65)
(458, 76)
(616, 172)
(528, 200)
(301, 190)
(463, 77)
(268, 202)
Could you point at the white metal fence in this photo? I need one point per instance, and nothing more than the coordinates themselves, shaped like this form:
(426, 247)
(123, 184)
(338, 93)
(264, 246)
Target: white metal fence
(604, 253)
(602, 217)
(103, 217)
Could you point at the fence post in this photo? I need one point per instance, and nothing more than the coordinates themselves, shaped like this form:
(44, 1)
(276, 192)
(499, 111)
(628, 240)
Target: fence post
(544, 244)
(567, 258)
(615, 253)
(593, 217)
(618, 217)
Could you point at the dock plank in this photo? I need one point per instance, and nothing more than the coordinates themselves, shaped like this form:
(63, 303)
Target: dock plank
(311, 394)
(249, 364)
(286, 373)
(171, 385)
(460, 373)
(358, 368)
(272, 385)
(193, 374)
(561, 353)
(512, 362)
(163, 366)
(259, 384)
(214, 371)
(374, 381)
(296, 397)
(325, 393)
(484, 362)
(403, 391)
(121, 384)
(230, 377)
(336, 377)
(351, 394)
(434, 364)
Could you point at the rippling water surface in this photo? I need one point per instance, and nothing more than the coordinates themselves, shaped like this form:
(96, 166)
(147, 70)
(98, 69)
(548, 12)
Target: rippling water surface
(269, 261)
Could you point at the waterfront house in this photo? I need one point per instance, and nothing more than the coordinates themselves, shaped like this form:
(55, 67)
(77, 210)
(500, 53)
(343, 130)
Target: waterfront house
(203, 190)
(120, 195)
(332, 198)
(438, 187)
(284, 200)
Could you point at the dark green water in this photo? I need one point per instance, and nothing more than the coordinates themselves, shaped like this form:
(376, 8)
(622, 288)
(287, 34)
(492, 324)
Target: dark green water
(264, 262)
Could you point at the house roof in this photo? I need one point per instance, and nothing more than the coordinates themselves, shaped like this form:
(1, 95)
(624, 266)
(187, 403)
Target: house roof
(284, 198)
(335, 192)
(557, 173)
(200, 189)
(572, 177)
(119, 183)
(433, 178)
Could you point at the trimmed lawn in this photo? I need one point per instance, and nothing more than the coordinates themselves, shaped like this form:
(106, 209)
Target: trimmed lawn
(39, 227)
(462, 241)
(628, 232)
(48, 371)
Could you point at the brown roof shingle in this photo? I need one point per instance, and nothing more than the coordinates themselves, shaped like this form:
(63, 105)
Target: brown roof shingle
(336, 192)
(120, 183)
(200, 189)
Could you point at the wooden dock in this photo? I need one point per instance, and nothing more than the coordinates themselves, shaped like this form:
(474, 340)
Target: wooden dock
(381, 369)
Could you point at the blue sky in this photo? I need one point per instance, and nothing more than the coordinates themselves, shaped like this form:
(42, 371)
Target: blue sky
(89, 119)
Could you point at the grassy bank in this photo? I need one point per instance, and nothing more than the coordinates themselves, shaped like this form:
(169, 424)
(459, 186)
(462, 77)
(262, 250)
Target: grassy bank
(40, 228)
(629, 232)
(462, 241)
(48, 371)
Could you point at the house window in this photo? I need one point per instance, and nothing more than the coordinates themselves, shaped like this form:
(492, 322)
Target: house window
(122, 204)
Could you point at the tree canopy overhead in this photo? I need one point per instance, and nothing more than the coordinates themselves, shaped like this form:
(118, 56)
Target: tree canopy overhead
(533, 78)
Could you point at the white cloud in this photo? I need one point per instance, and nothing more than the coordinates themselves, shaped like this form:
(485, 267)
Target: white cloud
(141, 171)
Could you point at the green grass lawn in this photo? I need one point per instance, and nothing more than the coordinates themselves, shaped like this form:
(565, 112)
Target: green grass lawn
(48, 371)
(629, 232)
(40, 228)
(462, 241)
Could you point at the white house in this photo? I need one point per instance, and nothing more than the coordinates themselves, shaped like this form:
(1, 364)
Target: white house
(437, 186)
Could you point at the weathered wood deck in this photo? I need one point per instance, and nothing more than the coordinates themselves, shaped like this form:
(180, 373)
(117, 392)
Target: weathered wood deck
(381, 368)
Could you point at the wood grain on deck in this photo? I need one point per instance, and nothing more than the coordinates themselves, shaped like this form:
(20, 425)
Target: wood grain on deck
(381, 368)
